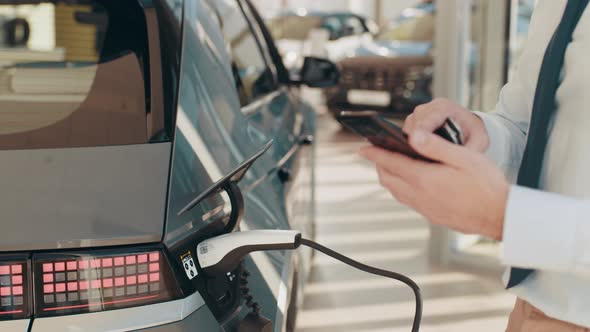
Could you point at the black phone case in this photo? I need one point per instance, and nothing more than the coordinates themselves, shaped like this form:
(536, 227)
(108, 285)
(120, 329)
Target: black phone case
(384, 134)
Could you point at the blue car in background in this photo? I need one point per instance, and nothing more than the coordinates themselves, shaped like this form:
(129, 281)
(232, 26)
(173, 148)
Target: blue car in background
(114, 117)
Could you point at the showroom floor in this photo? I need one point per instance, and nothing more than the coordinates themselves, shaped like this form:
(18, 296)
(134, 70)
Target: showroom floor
(358, 218)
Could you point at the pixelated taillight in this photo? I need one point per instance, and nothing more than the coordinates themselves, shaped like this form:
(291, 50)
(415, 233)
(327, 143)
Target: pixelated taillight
(81, 283)
(14, 290)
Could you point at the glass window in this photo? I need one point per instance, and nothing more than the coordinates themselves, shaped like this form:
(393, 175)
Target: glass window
(334, 25)
(253, 76)
(419, 27)
(257, 28)
(72, 74)
(353, 26)
(294, 27)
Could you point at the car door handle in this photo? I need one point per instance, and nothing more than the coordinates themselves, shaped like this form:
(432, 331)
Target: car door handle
(285, 174)
(306, 139)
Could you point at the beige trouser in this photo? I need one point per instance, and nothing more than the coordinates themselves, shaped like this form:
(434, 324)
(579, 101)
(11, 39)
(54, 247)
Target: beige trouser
(526, 318)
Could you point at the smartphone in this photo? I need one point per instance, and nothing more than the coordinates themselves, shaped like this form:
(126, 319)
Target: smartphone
(385, 134)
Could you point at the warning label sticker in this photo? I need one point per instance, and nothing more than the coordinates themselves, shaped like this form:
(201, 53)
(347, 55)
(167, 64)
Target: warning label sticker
(189, 265)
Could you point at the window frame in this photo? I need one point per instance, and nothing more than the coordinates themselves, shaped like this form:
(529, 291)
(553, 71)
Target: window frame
(282, 72)
(270, 66)
(259, 36)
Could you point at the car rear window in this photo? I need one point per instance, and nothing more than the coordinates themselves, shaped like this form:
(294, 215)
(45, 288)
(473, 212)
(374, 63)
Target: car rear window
(74, 74)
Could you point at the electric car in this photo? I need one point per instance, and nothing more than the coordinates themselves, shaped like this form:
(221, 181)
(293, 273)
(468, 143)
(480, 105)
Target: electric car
(130, 131)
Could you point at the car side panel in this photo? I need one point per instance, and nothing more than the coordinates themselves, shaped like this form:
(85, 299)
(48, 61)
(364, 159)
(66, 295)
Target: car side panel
(299, 188)
(201, 320)
(215, 130)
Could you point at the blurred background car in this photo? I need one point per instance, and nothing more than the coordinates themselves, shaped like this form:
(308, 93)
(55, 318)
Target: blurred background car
(392, 72)
(298, 34)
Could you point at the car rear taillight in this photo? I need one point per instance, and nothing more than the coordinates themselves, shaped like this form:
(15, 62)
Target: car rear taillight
(14, 295)
(79, 283)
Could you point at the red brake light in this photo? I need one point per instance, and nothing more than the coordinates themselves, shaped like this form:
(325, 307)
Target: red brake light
(80, 283)
(13, 290)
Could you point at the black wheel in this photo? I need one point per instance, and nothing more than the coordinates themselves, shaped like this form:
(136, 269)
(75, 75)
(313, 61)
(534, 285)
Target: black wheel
(17, 32)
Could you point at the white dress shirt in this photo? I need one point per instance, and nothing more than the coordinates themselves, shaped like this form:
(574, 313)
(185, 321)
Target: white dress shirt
(549, 230)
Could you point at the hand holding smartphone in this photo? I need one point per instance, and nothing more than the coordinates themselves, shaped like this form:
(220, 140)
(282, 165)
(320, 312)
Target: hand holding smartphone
(385, 134)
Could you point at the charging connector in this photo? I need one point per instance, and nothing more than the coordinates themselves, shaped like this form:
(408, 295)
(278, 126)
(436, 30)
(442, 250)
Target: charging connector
(222, 254)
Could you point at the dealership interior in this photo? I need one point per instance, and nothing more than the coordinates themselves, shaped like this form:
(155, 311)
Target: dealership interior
(100, 124)
(475, 45)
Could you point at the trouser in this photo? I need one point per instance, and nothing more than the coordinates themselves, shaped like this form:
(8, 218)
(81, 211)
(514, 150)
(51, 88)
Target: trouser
(526, 318)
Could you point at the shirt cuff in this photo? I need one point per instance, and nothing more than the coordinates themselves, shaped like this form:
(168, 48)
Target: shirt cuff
(494, 134)
(546, 231)
(502, 147)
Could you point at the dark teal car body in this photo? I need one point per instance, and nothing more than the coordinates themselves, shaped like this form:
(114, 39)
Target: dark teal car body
(113, 199)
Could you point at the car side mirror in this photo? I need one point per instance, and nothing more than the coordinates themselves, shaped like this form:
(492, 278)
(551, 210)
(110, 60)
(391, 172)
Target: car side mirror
(319, 73)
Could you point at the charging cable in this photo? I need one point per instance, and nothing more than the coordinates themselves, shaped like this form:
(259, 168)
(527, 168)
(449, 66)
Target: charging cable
(224, 253)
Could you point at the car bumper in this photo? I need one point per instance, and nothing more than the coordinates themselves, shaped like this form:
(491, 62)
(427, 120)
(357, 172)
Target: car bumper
(201, 320)
(402, 82)
(15, 325)
(188, 314)
(337, 100)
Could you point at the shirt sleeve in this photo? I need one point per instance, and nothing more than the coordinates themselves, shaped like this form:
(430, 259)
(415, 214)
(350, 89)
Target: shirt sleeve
(507, 142)
(543, 231)
(546, 231)
(508, 124)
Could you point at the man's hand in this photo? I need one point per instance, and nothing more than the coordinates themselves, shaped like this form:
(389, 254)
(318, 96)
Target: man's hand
(465, 191)
(429, 117)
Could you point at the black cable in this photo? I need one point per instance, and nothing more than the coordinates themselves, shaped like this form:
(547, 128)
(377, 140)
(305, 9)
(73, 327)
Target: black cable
(376, 271)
